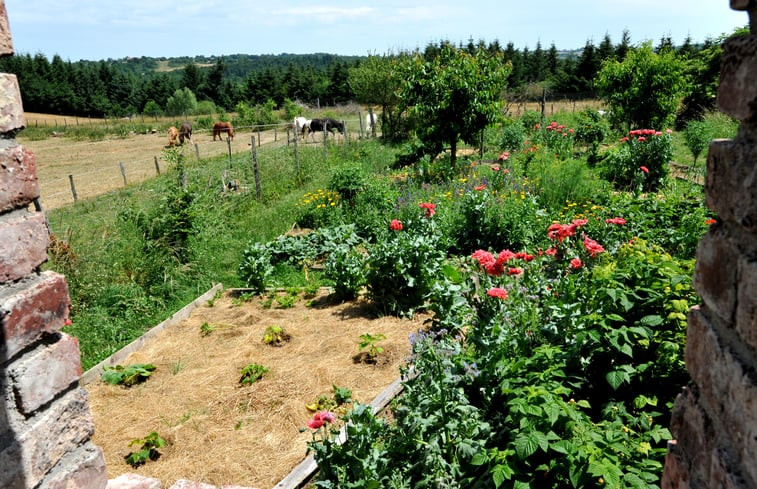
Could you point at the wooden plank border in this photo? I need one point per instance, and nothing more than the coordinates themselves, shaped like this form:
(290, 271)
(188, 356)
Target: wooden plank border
(95, 372)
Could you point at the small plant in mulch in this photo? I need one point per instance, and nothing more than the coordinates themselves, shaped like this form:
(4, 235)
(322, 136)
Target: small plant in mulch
(148, 449)
(337, 401)
(128, 375)
(252, 373)
(369, 347)
(207, 328)
(275, 336)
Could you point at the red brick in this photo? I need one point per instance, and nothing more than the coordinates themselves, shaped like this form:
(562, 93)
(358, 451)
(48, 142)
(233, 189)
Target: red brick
(726, 392)
(83, 469)
(731, 190)
(31, 308)
(715, 272)
(133, 481)
(18, 178)
(39, 446)
(43, 374)
(23, 247)
(11, 108)
(6, 43)
(737, 92)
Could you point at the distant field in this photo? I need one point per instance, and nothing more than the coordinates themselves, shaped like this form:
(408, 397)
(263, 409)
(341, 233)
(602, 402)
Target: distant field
(34, 119)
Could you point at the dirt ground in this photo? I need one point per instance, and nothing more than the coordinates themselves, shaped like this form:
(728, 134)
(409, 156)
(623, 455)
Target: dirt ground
(220, 432)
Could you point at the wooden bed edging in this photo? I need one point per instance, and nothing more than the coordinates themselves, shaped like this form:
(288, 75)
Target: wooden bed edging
(305, 469)
(95, 372)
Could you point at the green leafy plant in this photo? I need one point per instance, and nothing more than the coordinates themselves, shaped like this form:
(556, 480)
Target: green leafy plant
(128, 375)
(206, 328)
(275, 336)
(252, 373)
(256, 267)
(697, 135)
(345, 266)
(148, 449)
(369, 343)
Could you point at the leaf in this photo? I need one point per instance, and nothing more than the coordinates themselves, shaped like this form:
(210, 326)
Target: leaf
(501, 473)
(526, 444)
(616, 377)
(652, 320)
(479, 459)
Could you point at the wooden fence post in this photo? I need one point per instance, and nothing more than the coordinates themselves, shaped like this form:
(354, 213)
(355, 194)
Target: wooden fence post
(373, 123)
(256, 169)
(360, 121)
(73, 188)
(123, 171)
(197, 150)
(228, 143)
(287, 136)
(258, 136)
(296, 156)
(157, 166)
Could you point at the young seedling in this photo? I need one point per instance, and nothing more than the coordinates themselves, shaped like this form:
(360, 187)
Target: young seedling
(369, 343)
(251, 373)
(148, 449)
(275, 336)
(128, 375)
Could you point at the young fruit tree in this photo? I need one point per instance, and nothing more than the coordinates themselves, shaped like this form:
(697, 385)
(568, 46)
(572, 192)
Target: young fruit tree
(452, 96)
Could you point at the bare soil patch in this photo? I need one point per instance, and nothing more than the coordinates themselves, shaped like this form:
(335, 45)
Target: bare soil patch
(220, 432)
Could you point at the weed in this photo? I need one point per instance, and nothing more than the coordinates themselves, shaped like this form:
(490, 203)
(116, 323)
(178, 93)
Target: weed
(369, 343)
(206, 328)
(275, 336)
(128, 375)
(148, 449)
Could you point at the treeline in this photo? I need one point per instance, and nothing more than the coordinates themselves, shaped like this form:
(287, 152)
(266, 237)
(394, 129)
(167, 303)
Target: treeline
(145, 85)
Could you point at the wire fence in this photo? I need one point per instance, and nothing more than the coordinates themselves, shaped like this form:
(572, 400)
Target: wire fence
(70, 172)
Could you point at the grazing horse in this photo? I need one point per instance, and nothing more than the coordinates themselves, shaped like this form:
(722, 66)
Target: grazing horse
(185, 132)
(327, 124)
(370, 123)
(173, 136)
(220, 127)
(302, 126)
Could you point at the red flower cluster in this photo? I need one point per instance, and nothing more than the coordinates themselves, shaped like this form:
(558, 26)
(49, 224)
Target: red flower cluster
(644, 132)
(615, 220)
(593, 247)
(576, 263)
(479, 187)
(644, 169)
(395, 225)
(503, 156)
(320, 418)
(496, 265)
(430, 208)
(497, 292)
(554, 127)
(561, 231)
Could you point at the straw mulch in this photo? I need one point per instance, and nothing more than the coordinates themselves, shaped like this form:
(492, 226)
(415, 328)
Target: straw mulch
(220, 432)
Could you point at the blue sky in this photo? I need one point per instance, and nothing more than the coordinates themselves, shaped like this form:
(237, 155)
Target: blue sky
(102, 29)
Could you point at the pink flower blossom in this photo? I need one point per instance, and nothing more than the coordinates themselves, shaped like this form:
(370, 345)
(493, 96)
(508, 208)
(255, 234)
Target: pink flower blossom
(592, 247)
(514, 271)
(430, 208)
(497, 292)
(320, 418)
(644, 169)
(495, 168)
(503, 156)
(576, 263)
(615, 220)
(395, 225)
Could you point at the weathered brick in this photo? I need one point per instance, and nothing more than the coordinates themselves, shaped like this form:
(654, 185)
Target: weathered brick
(11, 108)
(715, 272)
(6, 43)
(731, 182)
(40, 376)
(18, 178)
(726, 391)
(23, 246)
(746, 309)
(694, 438)
(676, 474)
(48, 438)
(133, 481)
(83, 469)
(30, 308)
(737, 92)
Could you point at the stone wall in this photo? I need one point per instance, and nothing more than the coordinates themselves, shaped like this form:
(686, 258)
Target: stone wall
(714, 421)
(45, 420)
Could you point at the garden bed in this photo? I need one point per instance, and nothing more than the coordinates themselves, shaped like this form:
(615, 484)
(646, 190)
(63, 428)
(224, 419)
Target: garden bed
(220, 432)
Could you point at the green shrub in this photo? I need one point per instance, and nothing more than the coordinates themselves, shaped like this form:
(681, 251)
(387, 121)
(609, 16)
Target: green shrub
(642, 163)
(347, 181)
(513, 135)
(697, 135)
(345, 266)
(256, 267)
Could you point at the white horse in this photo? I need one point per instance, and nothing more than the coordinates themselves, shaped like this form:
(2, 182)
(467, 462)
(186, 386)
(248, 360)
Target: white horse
(302, 126)
(370, 123)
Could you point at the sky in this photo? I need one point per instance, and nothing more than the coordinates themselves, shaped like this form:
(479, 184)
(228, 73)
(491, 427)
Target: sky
(113, 29)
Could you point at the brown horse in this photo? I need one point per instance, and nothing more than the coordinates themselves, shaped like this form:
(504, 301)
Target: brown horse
(173, 136)
(223, 127)
(185, 132)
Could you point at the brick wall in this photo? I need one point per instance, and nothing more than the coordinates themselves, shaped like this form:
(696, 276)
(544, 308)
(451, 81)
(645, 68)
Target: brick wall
(714, 421)
(45, 420)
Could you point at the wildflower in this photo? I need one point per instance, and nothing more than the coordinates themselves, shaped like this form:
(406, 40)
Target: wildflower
(67, 322)
(580, 222)
(576, 263)
(503, 156)
(593, 247)
(514, 271)
(710, 221)
(479, 187)
(497, 292)
(615, 220)
(430, 208)
(495, 168)
(395, 225)
(642, 139)
(551, 251)
(668, 131)
(644, 169)
(623, 139)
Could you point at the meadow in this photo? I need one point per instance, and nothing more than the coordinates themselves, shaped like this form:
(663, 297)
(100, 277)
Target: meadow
(558, 275)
